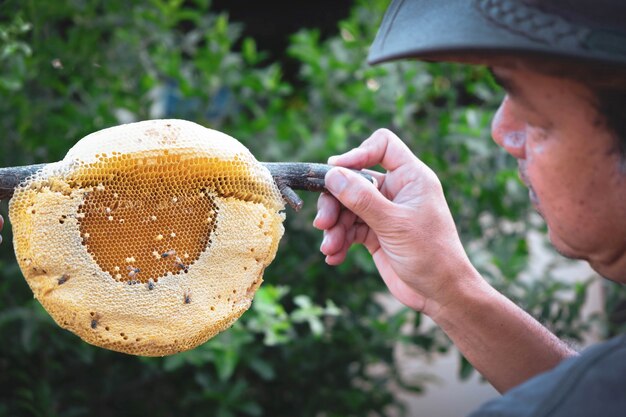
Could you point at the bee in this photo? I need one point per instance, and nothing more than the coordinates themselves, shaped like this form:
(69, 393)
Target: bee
(132, 272)
(180, 265)
(95, 320)
(150, 284)
(63, 279)
(168, 253)
(187, 297)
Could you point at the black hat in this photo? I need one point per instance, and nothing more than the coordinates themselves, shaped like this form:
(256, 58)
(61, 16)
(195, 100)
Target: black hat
(475, 30)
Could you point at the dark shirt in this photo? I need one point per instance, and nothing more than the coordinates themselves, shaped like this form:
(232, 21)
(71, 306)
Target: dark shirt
(592, 384)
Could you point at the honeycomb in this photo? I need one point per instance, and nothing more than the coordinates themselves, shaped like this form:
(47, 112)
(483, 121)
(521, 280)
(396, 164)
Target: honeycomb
(148, 238)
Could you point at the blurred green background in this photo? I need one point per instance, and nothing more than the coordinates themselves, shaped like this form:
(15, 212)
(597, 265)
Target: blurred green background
(314, 335)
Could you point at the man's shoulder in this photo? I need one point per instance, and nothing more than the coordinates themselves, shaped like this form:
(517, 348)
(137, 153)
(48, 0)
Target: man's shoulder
(593, 383)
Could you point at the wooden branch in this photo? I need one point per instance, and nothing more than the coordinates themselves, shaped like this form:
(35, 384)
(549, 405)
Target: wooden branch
(291, 176)
(288, 176)
(12, 176)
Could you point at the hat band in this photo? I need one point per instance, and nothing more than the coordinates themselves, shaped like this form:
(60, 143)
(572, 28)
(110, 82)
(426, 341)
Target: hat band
(550, 29)
(531, 22)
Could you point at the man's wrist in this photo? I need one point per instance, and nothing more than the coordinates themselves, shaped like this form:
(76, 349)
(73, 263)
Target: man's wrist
(460, 294)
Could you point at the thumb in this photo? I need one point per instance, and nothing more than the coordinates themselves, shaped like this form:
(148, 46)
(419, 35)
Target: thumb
(358, 195)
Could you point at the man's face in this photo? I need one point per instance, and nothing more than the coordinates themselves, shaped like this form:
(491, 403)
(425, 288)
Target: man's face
(571, 164)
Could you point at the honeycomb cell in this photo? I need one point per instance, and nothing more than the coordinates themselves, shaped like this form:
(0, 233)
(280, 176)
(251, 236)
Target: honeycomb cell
(148, 238)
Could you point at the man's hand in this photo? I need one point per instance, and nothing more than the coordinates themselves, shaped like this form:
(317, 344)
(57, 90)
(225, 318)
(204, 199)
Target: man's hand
(405, 223)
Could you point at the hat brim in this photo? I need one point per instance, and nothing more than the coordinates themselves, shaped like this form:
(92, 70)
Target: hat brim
(478, 31)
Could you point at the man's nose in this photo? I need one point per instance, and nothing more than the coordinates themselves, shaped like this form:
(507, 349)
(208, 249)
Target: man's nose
(509, 132)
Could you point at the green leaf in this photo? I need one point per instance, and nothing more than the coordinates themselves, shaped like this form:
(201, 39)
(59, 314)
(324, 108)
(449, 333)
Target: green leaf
(225, 362)
(262, 368)
(465, 368)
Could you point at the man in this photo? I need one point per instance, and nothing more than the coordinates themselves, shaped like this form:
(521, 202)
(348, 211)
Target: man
(563, 66)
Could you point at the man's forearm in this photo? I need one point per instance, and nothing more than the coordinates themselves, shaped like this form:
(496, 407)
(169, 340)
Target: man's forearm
(505, 344)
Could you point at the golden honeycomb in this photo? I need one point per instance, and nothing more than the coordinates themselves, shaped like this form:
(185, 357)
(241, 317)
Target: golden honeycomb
(148, 238)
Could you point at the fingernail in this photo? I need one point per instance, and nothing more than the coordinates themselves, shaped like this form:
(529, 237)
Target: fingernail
(331, 160)
(317, 216)
(336, 181)
(323, 243)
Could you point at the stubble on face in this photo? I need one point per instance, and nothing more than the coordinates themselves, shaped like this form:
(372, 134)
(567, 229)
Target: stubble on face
(573, 169)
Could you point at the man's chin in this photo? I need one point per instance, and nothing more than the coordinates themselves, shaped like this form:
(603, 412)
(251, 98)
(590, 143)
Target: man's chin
(610, 271)
(613, 272)
(567, 253)
(563, 249)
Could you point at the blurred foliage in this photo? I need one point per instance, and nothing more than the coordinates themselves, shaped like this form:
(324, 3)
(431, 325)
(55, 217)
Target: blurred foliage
(315, 342)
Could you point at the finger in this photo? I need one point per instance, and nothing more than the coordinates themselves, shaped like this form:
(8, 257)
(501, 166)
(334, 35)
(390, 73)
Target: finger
(332, 241)
(339, 257)
(359, 196)
(358, 233)
(379, 177)
(366, 236)
(1, 226)
(347, 233)
(340, 235)
(383, 147)
(328, 210)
